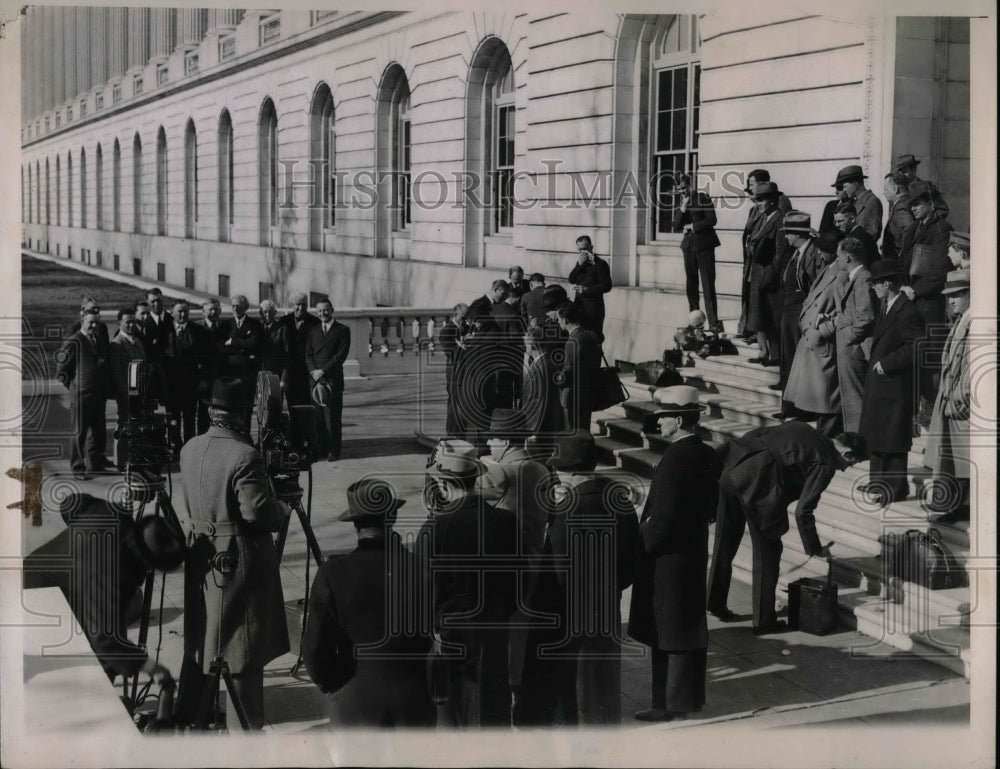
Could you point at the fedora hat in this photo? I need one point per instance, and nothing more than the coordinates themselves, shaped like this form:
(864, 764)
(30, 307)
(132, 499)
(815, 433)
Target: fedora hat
(576, 451)
(919, 191)
(799, 221)
(768, 191)
(159, 545)
(230, 393)
(371, 498)
(553, 296)
(960, 239)
(906, 161)
(828, 240)
(885, 268)
(454, 459)
(956, 282)
(849, 174)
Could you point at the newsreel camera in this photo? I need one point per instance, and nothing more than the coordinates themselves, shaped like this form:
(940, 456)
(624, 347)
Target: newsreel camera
(149, 436)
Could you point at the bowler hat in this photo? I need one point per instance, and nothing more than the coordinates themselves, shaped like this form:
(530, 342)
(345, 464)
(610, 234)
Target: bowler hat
(906, 161)
(849, 174)
(798, 221)
(919, 191)
(885, 268)
(959, 239)
(159, 544)
(576, 451)
(230, 393)
(371, 498)
(553, 296)
(768, 191)
(956, 282)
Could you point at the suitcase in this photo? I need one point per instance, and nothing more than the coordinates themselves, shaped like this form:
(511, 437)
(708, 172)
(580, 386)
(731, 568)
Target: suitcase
(812, 606)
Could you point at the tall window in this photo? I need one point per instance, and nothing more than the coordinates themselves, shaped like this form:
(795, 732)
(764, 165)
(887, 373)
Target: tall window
(225, 177)
(161, 182)
(38, 192)
(116, 185)
(401, 143)
(322, 137)
(137, 184)
(48, 207)
(267, 170)
(99, 188)
(26, 196)
(674, 106)
(58, 190)
(500, 129)
(83, 188)
(190, 181)
(69, 189)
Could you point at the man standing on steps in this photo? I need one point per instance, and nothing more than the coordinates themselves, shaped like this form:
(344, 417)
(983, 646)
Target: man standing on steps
(695, 217)
(869, 207)
(327, 347)
(764, 471)
(591, 279)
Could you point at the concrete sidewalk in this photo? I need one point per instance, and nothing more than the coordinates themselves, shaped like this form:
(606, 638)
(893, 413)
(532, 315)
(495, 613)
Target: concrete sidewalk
(790, 679)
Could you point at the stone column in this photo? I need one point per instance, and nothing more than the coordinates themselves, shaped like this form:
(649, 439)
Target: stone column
(224, 19)
(138, 37)
(98, 47)
(162, 32)
(84, 43)
(192, 24)
(62, 20)
(49, 61)
(116, 34)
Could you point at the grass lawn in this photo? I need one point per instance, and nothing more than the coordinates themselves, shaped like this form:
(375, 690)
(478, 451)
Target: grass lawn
(50, 304)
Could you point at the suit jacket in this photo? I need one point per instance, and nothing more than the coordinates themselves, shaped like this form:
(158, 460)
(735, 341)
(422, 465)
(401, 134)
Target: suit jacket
(934, 234)
(155, 335)
(121, 352)
(296, 371)
(82, 366)
(869, 209)
(531, 305)
(700, 214)
(482, 307)
(192, 355)
(900, 220)
(887, 410)
(855, 310)
(243, 341)
(511, 324)
(668, 596)
(328, 352)
(871, 248)
(582, 362)
(594, 280)
(540, 402)
(102, 330)
(798, 274)
(217, 333)
(225, 483)
(274, 348)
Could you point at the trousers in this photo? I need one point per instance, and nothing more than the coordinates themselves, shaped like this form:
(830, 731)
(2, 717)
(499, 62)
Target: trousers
(701, 263)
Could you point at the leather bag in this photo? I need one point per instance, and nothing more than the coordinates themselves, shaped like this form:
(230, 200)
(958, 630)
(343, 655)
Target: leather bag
(922, 558)
(607, 389)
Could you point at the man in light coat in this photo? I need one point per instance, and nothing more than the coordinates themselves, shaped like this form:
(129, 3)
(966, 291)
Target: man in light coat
(233, 603)
(813, 386)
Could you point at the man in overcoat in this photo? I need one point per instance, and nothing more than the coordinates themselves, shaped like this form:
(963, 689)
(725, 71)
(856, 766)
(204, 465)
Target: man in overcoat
(813, 387)
(764, 246)
(191, 355)
(756, 179)
(82, 368)
(540, 404)
(765, 471)
(581, 367)
(591, 280)
(906, 167)
(532, 303)
(298, 323)
(846, 220)
(695, 217)
(868, 206)
(900, 218)
(211, 321)
(887, 408)
(327, 347)
(450, 339)
(368, 631)
(275, 343)
(242, 337)
(233, 603)
(124, 348)
(947, 451)
(668, 595)
(853, 319)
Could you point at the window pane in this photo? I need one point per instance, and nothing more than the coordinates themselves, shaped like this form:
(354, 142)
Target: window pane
(679, 132)
(680, 87)
(664, 91)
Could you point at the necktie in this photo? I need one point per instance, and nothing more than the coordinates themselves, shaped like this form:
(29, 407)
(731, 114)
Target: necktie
(326, 327)
(93, 339)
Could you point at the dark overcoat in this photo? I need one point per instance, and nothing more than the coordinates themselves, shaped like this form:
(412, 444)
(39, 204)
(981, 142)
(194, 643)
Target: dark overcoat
(594, 281)
(927, 280)
(764, 247)
(887, 409)
(243, 617)
(241, 346)
(668, 594)
(540, 397)
(296, 376)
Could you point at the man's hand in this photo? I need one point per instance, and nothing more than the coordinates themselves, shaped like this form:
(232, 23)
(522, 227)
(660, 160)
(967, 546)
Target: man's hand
(157, 671)
(813, 339)
(877, 368)
(910, 293)
(584, 257)
(316, 374)
(228, 342)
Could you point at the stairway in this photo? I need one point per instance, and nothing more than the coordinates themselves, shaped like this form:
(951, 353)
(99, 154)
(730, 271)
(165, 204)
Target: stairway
(929, 623)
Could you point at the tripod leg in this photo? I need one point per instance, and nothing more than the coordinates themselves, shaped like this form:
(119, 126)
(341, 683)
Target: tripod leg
(279, 543)
(234, 697)
(208, 695)
(310, 536)
(147, 605)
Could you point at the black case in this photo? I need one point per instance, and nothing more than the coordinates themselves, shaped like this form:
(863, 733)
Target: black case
(812, 606)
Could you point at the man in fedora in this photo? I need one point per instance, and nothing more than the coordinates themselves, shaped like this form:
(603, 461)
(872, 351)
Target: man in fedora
(695, 217)
(868, 206)
(797, 272)
(368, 631)
(755, 180)
(900, 218)
(906, 165)
(959, 250)
(887, 408)
(327, 347)
(233, 603)
(764, 472)
(473, 599)
(947, 451)
(845, 219)
(764, 246)
(668, 595)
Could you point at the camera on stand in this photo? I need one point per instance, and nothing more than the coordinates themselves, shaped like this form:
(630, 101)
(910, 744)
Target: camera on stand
(289, 443)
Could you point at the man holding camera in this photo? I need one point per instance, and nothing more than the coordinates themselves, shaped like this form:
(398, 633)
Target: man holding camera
(591, 279)
(233, 603)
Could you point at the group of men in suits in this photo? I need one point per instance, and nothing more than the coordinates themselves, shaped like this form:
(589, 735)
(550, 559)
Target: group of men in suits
(306, 352)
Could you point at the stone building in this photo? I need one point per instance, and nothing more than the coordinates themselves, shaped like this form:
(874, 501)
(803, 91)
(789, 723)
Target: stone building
(408, 158)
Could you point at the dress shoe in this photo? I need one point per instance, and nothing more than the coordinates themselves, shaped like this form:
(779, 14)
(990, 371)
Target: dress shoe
(779, 386)
(725, 614)
(781, 415)
(333, 456)
(774, 627)
(654, 714)
(757, 360)
(770, 362)
(961, 514)
(81, 476)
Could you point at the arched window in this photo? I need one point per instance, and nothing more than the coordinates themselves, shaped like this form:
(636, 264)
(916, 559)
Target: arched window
(394, 212)
(58, 190)
(401, 144)
(83, 188)
(267, 171)
(190, 181)
(116, 184)
(161, 182)
(137, 184)
(225, 177)
(323, 148)
(99, 188)
(48, 207)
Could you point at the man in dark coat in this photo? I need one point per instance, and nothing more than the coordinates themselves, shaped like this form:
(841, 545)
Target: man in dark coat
(124, 348)
(580, 369)
(518, 285)
(846, 220)
(906, 166)
(233, 606)
(755, 181)
(297, 325)
(90, 305)
(274, 342)
(82, 368)
(540, 402)
(241, 343)
(483, 306)
(591, 279)
(157, 327)
(766, 470)
(191, 354)
(450, 339)
(887, 408)
(532, 308)
(510, 357)
(764, 246)
(900, 218)
(368, 631)
(327, 347)
(695, 217)
(212, 313)
(668, 597)
(866, 203)
(473, 602)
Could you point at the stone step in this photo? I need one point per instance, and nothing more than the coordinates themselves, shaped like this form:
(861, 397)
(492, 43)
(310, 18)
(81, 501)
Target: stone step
(729, 364)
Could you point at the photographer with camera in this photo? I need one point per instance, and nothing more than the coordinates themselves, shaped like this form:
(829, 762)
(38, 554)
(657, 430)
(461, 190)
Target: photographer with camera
(233, 604)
